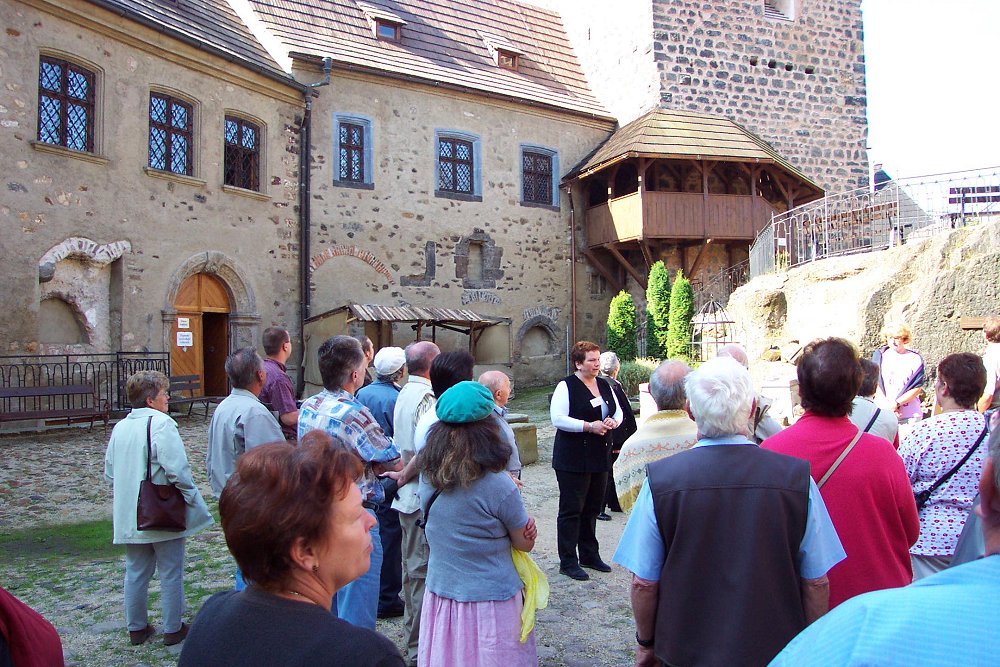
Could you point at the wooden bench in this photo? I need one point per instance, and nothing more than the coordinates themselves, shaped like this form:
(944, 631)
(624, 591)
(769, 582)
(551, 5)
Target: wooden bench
(189, 385)
(24, 403)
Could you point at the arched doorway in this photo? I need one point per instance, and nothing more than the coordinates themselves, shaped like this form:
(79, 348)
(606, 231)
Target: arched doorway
(200, 334)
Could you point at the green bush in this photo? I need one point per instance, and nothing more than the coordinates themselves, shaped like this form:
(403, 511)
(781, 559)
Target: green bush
(634, 373)
(622, 327)
(681, 312)
(657, 311)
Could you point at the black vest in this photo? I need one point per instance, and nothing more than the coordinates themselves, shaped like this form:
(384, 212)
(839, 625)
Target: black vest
(583, 452)
(732, 518)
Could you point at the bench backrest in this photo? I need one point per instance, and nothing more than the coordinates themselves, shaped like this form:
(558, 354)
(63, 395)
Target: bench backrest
(181, 383)
(50, 390)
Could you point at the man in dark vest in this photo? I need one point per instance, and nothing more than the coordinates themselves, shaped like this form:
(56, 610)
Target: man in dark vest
(728, 544)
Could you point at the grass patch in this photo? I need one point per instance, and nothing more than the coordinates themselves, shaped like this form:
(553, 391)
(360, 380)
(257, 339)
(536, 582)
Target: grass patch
(88, 539)
(534, 402)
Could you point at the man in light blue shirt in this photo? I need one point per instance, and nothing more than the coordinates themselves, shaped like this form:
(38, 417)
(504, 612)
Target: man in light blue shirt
(946, 619)
(748, 539)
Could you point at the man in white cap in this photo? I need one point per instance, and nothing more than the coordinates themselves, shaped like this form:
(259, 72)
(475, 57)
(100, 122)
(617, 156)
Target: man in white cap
(380, 398)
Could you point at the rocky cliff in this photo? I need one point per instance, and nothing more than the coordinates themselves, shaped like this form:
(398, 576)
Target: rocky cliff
(930, 285)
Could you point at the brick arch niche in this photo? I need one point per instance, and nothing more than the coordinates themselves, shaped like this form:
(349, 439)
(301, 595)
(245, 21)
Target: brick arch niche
(538, 336)
(244, 318)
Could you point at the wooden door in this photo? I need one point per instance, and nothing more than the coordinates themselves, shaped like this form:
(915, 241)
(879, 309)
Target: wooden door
(201, 348)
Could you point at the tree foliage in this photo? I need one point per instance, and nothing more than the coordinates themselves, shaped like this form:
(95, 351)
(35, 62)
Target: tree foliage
(681, 312)
(657, 311)
(622, 327)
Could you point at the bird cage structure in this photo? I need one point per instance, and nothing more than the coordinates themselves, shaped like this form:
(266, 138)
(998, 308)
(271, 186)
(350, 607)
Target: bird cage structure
(711, 329)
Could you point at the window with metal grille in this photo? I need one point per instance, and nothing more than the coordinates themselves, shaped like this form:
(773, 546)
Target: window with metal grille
(536, 177)
(455, 166)
(65, 104)
(352, 152)
(170, 134)
(242, 158)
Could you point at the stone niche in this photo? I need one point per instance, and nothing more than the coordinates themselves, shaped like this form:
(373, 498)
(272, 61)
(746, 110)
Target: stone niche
(80, 297)
(477, 261)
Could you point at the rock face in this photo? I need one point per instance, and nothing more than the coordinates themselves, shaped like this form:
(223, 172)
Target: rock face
(930, 285)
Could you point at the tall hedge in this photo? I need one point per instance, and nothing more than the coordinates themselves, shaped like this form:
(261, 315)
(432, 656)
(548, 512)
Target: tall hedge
(622, 326)
(681, 312)
(657, 311)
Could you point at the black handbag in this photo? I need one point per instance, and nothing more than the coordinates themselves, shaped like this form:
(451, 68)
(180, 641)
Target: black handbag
(921, 497)
(160, 506)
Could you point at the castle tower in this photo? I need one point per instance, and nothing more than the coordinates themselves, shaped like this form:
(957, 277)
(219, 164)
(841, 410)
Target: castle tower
(790, 71)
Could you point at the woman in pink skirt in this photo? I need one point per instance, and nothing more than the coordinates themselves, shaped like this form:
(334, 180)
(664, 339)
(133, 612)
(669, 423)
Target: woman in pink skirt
(474, 514)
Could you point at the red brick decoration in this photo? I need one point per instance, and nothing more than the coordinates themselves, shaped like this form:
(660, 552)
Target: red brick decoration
(350, 251)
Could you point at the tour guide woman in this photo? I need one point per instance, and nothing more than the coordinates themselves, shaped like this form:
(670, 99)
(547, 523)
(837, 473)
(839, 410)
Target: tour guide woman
(584, 411)
(293, 519)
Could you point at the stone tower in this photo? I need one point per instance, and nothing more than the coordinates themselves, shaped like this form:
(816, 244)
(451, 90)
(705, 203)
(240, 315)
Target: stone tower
(791, 71)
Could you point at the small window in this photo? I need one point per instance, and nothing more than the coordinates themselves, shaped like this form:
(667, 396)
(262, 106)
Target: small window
(506, 59)
(539, 170)
(242, 158)
(455, 166)
(170, 134)
(353, 146)
(65, 104)
(387, 31)
(782, 10)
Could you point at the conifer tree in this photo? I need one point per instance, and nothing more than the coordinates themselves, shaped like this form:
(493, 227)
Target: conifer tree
(622, 326)
(657, 311)
(681, 312)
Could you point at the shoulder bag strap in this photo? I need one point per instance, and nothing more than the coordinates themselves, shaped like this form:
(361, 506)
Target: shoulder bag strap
(427, 510)
(149, 450)
(843, 455)
(958, 465)
(871, 422)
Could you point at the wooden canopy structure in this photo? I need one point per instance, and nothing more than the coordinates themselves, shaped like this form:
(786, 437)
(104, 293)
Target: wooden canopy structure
(684, 180)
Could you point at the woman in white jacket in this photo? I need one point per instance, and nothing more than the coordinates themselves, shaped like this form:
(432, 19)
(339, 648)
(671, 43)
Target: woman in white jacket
(147, 550)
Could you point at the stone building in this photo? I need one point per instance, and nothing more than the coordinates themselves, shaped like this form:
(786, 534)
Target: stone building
(151, 154)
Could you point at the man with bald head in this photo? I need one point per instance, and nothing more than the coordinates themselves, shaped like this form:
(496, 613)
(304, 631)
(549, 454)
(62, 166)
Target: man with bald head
(666, 432)
(499, 385)
(762, 425)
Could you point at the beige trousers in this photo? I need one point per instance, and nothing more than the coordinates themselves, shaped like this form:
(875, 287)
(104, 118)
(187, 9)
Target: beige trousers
(414, 575)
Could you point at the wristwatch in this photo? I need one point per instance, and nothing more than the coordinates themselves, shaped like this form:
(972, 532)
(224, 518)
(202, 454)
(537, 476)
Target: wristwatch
(645, 643)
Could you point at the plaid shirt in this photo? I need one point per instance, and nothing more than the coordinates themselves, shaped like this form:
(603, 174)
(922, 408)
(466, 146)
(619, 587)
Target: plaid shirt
(351, 424)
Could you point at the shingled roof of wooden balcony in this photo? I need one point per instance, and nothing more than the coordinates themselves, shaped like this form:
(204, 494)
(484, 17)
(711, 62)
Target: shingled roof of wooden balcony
(673, 134)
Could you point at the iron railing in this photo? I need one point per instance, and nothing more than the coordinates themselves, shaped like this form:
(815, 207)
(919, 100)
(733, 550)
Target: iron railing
(869, 219)
(107, 372)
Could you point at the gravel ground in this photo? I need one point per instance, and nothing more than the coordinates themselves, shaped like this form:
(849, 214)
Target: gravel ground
(56, 477)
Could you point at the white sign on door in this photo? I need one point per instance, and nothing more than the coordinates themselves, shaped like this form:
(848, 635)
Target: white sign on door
(185, 339)
(183, 323)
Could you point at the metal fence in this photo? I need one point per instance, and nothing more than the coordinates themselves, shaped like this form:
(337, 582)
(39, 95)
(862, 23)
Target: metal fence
(107, 372)
(867, 219)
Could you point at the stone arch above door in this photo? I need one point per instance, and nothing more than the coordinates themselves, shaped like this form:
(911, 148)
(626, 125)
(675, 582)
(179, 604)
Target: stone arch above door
(545, 325)
(244, 319)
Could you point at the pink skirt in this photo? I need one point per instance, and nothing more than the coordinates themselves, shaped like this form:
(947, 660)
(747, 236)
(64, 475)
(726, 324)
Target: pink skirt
(473, 634)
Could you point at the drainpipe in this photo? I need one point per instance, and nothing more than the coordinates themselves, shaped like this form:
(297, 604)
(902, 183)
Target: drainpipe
(572, 266)
(305, 157)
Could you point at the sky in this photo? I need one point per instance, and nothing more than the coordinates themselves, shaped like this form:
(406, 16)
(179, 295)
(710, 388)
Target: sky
(933, 79)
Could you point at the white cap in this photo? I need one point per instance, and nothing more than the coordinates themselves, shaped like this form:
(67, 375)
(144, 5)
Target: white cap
(388, 360)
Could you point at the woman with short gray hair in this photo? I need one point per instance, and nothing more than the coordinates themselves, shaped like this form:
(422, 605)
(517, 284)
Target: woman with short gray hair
(610, 365)
(125, 466)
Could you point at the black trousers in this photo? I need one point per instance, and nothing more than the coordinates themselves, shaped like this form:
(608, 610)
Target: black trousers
(581, 496)
(391, 535)
(611, 498)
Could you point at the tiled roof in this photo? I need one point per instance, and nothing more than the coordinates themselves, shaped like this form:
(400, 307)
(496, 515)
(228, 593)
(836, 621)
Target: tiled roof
(210, 24)
(442, 43)
(666, 133)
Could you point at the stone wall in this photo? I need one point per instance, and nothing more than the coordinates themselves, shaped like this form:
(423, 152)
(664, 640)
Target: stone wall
(930, 285)
(814, 114)
(113, 238)
(397, 242)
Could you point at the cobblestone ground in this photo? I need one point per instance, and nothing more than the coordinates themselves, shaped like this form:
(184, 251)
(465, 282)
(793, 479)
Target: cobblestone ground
(57, 477)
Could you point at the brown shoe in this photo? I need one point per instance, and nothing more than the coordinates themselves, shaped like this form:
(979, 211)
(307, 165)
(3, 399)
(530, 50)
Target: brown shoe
(171, 638)
(140, 636)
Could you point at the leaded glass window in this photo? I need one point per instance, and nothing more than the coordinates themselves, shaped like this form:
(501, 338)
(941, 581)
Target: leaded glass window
(170, 134)
(242, 159)
(65, 104)
(352, 152)
(536, 177)
(455, 170)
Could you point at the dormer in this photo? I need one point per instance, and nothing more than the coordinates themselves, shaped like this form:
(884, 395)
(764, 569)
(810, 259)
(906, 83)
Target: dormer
(505, 55)
(385, 25)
